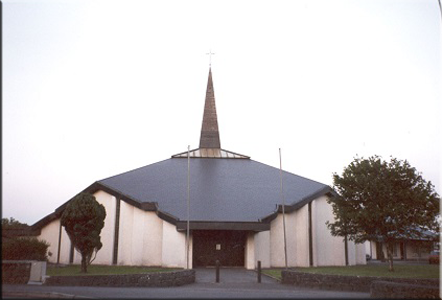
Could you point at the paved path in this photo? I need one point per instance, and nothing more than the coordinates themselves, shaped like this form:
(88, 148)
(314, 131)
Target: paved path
(234, 283)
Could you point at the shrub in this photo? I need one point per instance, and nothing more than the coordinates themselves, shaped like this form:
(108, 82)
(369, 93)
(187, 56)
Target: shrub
(24, 248)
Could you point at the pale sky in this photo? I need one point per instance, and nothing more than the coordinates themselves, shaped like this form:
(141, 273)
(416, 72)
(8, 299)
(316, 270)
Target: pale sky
(92, 89)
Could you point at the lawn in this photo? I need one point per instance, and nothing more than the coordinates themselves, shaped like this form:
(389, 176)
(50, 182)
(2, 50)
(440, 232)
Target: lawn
(74, 270)
(402, 271)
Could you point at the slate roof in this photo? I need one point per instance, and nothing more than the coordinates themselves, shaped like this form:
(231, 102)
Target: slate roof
(227, 190)
(210, 153)
(221, 190)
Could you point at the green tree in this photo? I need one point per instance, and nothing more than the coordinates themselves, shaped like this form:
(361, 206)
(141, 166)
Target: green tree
(24, 248)
(376, 199)
(83, 219)
(12, 223)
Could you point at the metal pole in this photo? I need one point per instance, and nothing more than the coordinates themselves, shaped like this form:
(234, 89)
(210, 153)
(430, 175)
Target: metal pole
(188, 206)
(59, 243)
(217, 270)
(283, 210)
(259, 271)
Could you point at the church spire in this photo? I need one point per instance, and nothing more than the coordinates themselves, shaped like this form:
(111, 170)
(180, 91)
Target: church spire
(209, 129)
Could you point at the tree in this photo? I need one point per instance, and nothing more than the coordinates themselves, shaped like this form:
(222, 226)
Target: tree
(386, 201)
(12, 223)
(83, 220)
(25, 248)
(18, 245)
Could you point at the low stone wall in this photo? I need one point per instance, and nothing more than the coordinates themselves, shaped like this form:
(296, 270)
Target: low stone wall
(395, 290)
(346, 283)
(16, 272)
(162, 279)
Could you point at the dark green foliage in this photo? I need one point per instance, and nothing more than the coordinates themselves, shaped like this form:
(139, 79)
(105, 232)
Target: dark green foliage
(12, 223)
(384, 201)
(24, 249)
(83, 220)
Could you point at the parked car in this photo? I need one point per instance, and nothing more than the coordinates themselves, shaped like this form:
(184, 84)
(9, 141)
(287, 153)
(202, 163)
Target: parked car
(434, 257)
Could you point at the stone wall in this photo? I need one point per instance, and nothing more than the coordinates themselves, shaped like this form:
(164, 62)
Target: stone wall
(162, 279)
(391, 290)
(345, 283)
(16, 272)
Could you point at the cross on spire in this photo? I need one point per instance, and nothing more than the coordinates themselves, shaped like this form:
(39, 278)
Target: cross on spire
(210, 57)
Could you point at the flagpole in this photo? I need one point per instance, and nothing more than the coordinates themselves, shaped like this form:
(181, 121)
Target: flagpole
(283, 210)
(188, 206)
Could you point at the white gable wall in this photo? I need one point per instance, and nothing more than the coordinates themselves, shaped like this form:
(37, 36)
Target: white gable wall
(328, 250)
(360, 254)
(152, 239)
(139, 229)
(125, 234)
(65, 247)
(140, 237)
(262, 248)
(292, 236)
(250, 252)
(296, 224)
(174, 246)
(145, 239)
(351, 253)
(50, 233)
(302, 242)
(104, 255)
(277, 243)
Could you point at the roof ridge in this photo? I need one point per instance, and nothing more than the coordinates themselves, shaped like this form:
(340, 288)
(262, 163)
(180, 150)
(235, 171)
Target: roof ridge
(290, 173)
(210, 153)
(132, 170)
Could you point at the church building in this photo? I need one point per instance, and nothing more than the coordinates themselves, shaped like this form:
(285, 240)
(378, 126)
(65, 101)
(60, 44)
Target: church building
(235, 213)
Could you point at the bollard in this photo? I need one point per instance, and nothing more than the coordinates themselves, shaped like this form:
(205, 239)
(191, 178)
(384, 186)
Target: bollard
(217, 271)
(259, 271)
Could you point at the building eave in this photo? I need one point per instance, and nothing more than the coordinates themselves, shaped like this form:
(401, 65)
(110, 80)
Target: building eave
(213, 225)
(211, 153)
(290, 208)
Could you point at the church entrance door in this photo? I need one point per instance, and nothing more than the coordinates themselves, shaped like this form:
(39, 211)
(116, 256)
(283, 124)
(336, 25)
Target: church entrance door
(227, 246)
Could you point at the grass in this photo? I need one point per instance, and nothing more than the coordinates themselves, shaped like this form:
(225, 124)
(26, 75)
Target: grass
(74, 270)
(400, 271)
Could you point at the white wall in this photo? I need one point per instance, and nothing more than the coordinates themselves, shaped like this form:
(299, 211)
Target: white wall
(125, 234)
(174, 247)
(105, 254)
(301, 232)
(152, 239)
(360, 254)
(277, 243)
(368, 248)
(296, 237)
(65, 247)
(50, 233)
(351, 253)
(140, 237)
(329, 250)
(262, 248)
(292, 236)
(249, 260)
(145, 239)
